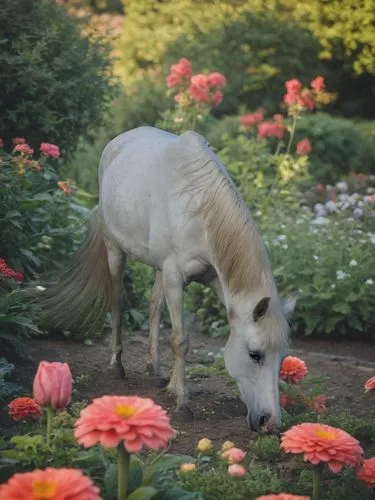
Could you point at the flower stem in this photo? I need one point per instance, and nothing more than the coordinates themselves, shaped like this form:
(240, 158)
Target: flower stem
(317, 479)
(49, 424)
(292, 132)
(123, 460)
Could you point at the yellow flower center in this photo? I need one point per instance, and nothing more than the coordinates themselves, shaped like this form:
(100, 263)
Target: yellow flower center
(43, 490)
(125, 411)
(325, 434)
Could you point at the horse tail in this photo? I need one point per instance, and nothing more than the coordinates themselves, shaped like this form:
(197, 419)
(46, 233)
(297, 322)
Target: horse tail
(82, 295)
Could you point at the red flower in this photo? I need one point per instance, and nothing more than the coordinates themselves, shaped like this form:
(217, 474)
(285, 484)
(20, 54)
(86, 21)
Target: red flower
(370, 384)
(323, 443)
(293, 86)
(251, 119)
(217, 97)
(24, 148)
(50, 484)
(135, 421)
(318, 403)
(182, 68)
(8, 272)
(21, 408)
(50, 150)
(318, 84)
(267, 129)
(303, 147)
(198, 88)
(293, 369)
(216, 79)
(65, 187)
(367, 473)
(307, 100)
(173, 80)
(18, 140)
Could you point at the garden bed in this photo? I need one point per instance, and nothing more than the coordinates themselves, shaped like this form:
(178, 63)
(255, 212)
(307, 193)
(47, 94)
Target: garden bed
(218, 413)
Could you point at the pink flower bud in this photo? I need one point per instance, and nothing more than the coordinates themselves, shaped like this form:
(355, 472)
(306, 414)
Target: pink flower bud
(53, 384)
(236, 470)
(234, 455)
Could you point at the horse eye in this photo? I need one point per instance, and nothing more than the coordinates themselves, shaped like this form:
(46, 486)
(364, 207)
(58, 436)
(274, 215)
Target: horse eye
(256, 356)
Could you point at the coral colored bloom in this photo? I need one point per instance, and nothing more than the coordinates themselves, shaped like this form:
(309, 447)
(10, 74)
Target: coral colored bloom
(18, 140)
(24, 148)
(318, 403)
(53, 384)
(187, 468)
(251, 119)
(217, 97)
(8, 272)
(236, 470)
(323, 443)
(370, 384)
(65, 187)
(204, 445)
(318, 84)
(234, 455)
(366, 474)
(20, 408)
(50, 484)
(173, 80)
(227, 445)
(307, 100)
(293, 86)
(135, 421)
(216, 79)
(50, 150)
(303, 147)
(266, 129)
(278, 118)
(282, 496)
(293, 370)
(182, 68)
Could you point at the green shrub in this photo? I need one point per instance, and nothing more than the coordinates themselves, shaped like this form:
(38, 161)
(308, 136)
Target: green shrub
(338, 147)
(55, 82)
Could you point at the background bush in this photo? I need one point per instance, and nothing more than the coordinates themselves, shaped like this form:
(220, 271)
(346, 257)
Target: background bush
(55, 82)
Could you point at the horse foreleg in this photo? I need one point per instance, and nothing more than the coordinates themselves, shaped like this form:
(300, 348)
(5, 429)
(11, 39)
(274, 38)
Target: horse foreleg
(155, 308)
(116, 265)
(173, 290)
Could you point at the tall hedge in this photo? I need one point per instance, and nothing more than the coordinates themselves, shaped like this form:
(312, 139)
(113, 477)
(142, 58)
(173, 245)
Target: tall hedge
(55, 83)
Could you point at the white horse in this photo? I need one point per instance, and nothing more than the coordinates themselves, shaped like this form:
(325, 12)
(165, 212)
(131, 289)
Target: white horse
(167, 201)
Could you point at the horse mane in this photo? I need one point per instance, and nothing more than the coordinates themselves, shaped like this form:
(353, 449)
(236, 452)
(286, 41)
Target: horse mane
(235, 244)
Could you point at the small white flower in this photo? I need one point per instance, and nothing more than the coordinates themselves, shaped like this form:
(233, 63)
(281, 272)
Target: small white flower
(331, 206)
(281, 237)
(340, 275)
(258, 213)
(320, 220)
(369, 282)
(372, 238)
(333, 285)
(353, 263)
(285, 247)
(40, 288)
(342, 186)
(316, 257)
(343, 197)
(319, 209)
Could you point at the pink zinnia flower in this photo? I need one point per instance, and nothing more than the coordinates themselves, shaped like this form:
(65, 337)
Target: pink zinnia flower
(323, 443)
(267, 129)
(293, 369)
(234, 455)
(303, 147)
(135, 421)
(51, 484)
(20, 408)
(282, 496)
(53, 384)
(293, 86)
(18, 140)
(236, 470)
(366, 474)
(182, 68)
(24, 148)
(50, 150)
(318, 84)
(370, 384)
(251, 119)
(217, 97)
(216, 79)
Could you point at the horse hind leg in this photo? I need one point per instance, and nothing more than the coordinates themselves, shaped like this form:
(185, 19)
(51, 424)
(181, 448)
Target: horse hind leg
(116, 261)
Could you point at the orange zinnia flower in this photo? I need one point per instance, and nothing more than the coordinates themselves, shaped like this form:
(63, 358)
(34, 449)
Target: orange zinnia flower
(370, 384)
(293, 370)
(21, 408)
(50, 484)
(135, 421)
(323, 443)
(282, 496)
(367, 473)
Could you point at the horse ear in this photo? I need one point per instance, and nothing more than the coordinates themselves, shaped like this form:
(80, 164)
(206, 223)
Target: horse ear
(261, 308)
(289, 304)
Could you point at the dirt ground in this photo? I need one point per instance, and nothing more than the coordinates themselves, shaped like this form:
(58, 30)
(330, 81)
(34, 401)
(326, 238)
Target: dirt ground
(218, 413)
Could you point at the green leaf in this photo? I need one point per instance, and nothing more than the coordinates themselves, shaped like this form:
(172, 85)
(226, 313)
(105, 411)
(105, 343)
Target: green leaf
(143, 493)
(164, 463)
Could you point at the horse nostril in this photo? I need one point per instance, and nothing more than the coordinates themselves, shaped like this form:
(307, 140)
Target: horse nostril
(263, 421)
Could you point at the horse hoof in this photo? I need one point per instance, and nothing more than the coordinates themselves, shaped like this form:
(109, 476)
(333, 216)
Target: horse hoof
(183, 414)
(117, 371)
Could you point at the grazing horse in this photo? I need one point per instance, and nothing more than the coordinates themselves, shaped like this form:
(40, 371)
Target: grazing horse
(167, 201)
